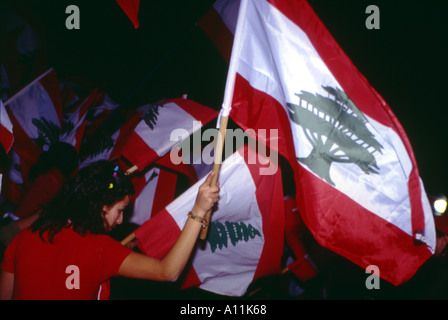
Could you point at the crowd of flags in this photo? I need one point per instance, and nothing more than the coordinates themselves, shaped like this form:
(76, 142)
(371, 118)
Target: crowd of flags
(357, 185)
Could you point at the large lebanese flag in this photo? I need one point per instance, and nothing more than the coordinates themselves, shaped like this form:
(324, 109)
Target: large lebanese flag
(358, 185)
(245, 236)
(6, 135)
(164, 126)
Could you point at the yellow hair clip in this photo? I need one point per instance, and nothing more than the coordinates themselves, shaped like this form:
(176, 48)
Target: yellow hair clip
(111, 185)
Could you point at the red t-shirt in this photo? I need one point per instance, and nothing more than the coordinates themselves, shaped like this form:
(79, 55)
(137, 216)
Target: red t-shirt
(46, 271)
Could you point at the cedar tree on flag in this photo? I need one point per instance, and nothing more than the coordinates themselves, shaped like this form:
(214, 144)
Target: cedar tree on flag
(162, 127)
(36, 114)
(245, 236)
(358, 186)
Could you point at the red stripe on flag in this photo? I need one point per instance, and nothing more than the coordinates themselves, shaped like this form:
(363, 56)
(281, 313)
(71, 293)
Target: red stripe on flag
(270, 203)
(213, 26)
(166, 187)
(6, 138)
(131, 8)
(347, 220)
(248, 113)
(154, 240)
(138, 152)
(24, 145)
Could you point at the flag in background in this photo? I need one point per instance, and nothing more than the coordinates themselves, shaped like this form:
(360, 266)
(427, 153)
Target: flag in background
(111, 147)
(153, 191)
(6, 135)
(36, 113)
(153, 135)
(358, 186)
(245, 236)
(219, 25)
(75, 121)
(131, 8)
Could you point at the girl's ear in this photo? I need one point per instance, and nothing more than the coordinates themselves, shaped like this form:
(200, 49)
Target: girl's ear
(104, 210)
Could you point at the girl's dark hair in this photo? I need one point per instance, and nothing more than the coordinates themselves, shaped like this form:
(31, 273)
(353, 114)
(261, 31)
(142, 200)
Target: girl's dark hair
(80, 201)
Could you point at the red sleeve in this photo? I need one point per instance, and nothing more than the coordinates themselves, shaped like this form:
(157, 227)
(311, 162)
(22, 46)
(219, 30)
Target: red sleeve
(111, 256)
(8, 258)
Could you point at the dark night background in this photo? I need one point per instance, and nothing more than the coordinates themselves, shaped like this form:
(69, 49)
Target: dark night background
(167, 56)
(405, 60)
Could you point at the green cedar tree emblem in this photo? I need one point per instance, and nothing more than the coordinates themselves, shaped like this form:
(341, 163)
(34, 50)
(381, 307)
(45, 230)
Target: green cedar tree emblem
(221, 234)
(337, 131)
(48, 132)
(151, 116)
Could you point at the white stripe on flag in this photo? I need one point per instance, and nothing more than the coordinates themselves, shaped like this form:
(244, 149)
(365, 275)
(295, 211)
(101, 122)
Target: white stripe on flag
(144, 203)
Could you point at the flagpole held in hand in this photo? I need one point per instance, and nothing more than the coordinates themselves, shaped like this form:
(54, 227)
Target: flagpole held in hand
(227, 104)
(216, 166)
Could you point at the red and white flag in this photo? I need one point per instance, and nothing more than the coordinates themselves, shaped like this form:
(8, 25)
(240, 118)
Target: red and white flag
(358, 186)
(162, 127)
(75, 121)
(246, 232)
(100, 111)
(153, 191)
(6, 133)
(36, 113)
(110, 147)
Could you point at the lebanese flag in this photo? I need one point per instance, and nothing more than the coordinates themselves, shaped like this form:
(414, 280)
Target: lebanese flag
(153, 191)
(6, 129)
(75, 121)
(358, 186)
(245, 236)
(110, 147)
(101, 109)
(164, 126)
(36, 114)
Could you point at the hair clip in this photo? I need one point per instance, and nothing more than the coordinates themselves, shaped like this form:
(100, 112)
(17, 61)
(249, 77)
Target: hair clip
(115, 173)
(111, 185)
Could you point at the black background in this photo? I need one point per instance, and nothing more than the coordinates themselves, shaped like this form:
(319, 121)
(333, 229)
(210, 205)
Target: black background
(405, 60)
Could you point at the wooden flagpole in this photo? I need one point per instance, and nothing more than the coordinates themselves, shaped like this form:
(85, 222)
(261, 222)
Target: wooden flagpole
(216, 166)
(225, 112)
(227, 103)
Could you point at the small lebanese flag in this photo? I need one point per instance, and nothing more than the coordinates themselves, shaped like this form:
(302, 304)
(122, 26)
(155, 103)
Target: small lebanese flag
(245, 236)
(162, 127)
(36, 113)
